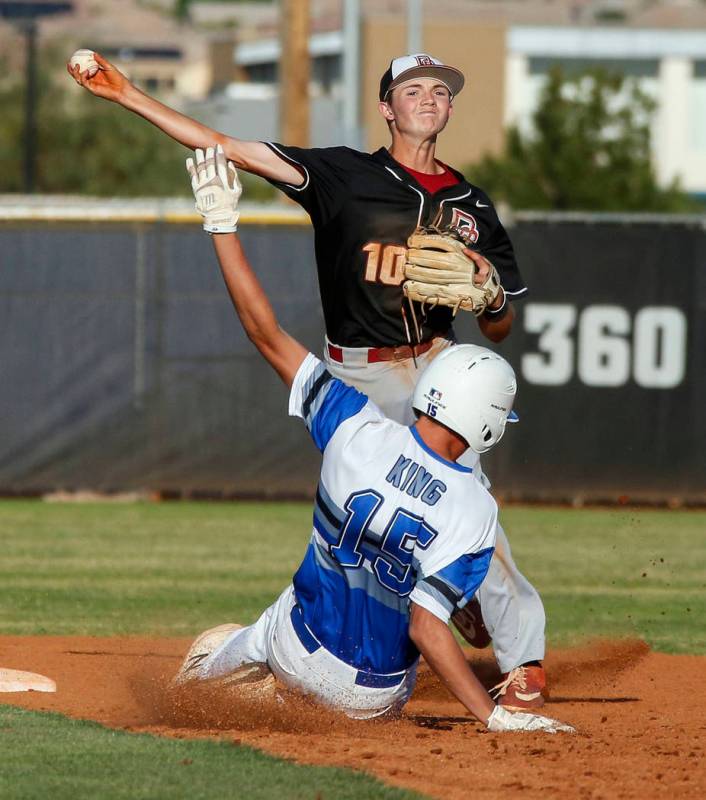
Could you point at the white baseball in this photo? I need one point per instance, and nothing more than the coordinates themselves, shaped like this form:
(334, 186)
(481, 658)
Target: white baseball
(85, 61)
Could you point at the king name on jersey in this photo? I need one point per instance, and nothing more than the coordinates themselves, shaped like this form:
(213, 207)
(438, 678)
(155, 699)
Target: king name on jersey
(410, 477)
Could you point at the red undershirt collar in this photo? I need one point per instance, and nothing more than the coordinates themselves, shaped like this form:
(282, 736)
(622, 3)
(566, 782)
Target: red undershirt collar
(433, 183)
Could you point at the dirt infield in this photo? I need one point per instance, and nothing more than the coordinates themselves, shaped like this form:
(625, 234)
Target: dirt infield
(641, 718)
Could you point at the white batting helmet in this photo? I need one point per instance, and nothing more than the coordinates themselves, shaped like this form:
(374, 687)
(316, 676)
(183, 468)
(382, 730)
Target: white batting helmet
(470, 390)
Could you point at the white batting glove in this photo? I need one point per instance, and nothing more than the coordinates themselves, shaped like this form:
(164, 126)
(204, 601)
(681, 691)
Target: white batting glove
(503, 720)
(216, 188)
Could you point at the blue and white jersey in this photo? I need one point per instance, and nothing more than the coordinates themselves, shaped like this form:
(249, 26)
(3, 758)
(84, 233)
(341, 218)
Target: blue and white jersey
(393, 522)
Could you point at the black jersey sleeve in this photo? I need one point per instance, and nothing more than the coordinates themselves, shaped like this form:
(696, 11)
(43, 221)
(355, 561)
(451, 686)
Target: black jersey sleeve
(325, 173)
(499, 251)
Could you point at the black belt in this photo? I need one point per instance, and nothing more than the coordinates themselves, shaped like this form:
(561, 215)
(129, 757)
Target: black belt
(374, 680)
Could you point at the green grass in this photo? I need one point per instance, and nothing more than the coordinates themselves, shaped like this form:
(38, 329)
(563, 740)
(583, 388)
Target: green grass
(616, 572)
(47, 755)
(177, 568)
(168, 569)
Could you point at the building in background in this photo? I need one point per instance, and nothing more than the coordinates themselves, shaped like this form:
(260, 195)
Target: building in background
(506, 50)
(668, 64)
(222, 65)
(164, 57)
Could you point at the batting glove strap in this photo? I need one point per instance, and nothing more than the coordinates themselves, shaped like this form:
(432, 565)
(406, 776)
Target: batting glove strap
(217, 206)
(227, 225)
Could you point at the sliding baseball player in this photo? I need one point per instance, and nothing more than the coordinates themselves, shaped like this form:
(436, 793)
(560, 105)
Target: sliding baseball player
(364, 207)
(402, 534)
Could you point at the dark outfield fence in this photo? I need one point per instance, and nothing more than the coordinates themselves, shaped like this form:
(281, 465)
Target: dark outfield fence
(123, 366)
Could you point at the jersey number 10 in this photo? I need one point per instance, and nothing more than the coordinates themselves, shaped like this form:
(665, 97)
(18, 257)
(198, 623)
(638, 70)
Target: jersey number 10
(385, 263)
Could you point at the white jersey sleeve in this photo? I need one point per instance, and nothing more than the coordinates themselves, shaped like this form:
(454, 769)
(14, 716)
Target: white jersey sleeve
(322, 401)
(453, 586)
(449, 576)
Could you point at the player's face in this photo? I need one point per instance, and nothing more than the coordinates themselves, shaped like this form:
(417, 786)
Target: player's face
(420, 107)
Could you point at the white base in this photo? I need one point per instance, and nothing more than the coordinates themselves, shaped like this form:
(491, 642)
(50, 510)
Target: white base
(14, 680)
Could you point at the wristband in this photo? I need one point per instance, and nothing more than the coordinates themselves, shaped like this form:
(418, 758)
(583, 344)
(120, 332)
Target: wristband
(496, 314)
(211, 229)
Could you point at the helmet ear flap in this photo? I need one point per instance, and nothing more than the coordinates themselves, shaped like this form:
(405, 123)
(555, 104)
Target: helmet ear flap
(489, 436)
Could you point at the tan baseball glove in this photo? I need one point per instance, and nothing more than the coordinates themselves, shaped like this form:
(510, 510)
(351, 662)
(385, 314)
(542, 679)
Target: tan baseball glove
(439, 273)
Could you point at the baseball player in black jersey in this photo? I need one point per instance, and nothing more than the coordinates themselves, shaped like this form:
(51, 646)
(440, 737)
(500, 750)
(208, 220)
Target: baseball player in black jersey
(363, 208)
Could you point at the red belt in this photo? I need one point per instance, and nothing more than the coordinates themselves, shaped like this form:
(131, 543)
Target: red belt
(376, 354)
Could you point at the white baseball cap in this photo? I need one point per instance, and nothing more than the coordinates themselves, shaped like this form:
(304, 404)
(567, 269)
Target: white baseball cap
(420, 65)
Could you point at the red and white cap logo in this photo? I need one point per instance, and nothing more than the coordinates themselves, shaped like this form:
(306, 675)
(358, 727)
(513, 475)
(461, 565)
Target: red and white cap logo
(420, 65)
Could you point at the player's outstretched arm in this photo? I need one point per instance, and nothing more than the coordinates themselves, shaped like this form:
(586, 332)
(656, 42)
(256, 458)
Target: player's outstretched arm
(256, 157)
(441, 651)
(217, 190)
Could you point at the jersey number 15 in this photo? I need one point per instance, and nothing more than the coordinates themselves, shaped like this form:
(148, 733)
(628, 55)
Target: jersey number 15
(403, 532)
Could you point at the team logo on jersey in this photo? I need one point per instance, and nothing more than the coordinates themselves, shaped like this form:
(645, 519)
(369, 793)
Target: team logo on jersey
(465, 225)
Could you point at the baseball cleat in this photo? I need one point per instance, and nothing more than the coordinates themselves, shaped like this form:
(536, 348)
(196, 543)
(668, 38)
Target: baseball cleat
(469, 623)
(521, 689)
(204, 644)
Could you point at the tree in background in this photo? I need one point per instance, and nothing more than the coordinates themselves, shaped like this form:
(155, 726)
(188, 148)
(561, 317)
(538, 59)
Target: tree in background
(84, 146)
(181, 9)
(589, 150)
(88, 146)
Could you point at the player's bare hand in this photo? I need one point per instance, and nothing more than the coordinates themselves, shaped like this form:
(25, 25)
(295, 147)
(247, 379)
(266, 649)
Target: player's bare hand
(484, 266)
(484, 269)
(108, 82)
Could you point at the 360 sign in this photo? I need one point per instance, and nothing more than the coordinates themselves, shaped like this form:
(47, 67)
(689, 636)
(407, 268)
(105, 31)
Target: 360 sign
(605, 345)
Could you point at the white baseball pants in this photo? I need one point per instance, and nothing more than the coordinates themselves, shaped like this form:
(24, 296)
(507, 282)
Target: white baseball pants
(282, 640)
(512, 609)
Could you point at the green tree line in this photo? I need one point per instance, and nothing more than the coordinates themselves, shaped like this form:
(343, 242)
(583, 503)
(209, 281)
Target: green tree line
(588, 148)
(88, 146)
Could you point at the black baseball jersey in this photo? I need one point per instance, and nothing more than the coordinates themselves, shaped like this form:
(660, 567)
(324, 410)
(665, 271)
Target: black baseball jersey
(363, 207)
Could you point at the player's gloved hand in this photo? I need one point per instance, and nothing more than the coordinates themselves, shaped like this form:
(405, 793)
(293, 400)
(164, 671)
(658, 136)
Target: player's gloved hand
(503, 720)
(216, 188)
(441, 271)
